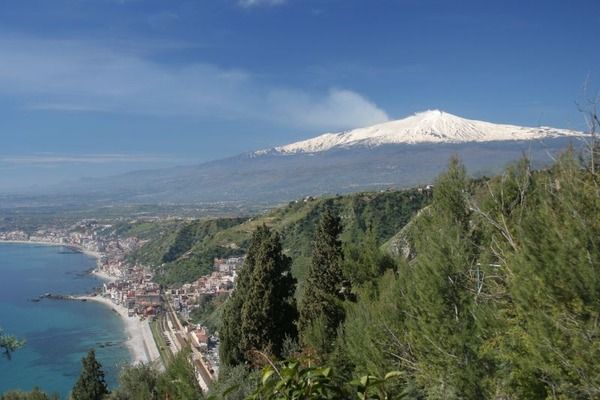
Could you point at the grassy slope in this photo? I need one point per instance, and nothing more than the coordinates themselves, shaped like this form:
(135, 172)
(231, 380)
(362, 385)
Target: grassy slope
(187, 248)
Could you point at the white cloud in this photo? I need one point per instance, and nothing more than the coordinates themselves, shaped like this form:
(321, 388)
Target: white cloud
(75, 76)
(253, 3)
(338, 109)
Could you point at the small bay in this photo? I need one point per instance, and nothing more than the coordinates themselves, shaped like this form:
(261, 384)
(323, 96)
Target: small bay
(58, 332)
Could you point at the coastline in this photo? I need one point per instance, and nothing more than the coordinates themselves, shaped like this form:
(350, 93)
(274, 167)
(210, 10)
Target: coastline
(140, 341)
(103, 275)
(93, 254)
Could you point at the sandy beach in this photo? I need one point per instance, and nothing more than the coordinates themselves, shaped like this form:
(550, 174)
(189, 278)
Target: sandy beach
(140, 340)
(104, 276)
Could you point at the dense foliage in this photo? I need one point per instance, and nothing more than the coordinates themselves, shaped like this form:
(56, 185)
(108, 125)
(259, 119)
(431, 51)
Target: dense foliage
(501, 299)
(90, 385)
(261, 311)
(321, 311)
(146, 382)
(292, 380)
(209, 311)
(179, 381)
(185, 251)
(499, 296)
(35, 394)
(138, 382)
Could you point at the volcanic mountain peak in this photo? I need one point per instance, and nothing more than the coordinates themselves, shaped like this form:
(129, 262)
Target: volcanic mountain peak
(431, 126)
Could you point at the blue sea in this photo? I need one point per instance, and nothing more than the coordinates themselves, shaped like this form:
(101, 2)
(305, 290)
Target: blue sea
(58, 332)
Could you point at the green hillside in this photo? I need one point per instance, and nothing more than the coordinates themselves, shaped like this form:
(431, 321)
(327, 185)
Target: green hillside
(185, 250)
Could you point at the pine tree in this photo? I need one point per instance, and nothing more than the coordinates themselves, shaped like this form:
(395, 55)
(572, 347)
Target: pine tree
(555, 283)
(365, 262)
(268, 312)
(374, 335)
(91, 384)
(320, 309)
(440, 289)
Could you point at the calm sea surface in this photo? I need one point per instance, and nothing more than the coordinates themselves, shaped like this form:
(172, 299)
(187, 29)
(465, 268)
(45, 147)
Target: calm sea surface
(58, 333)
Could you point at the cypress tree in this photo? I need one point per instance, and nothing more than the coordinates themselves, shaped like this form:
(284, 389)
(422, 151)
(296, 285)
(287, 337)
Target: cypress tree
(91, 384)
(320, 309)
(231, 352)
(268, 312)
(260, 312)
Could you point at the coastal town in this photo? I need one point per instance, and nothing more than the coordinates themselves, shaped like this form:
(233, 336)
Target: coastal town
(158, 320)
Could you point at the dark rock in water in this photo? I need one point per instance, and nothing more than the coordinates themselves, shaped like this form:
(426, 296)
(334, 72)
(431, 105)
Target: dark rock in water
(51, 296)
(35, 300)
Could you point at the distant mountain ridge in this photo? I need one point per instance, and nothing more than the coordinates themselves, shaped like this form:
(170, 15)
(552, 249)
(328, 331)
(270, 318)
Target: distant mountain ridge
(431, 126)
(395, 154)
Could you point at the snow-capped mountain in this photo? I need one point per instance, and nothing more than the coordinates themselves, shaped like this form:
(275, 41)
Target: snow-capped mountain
(395, 154)
(432, 126)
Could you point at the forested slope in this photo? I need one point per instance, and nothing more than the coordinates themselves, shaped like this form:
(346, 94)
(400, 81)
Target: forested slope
(185, 250)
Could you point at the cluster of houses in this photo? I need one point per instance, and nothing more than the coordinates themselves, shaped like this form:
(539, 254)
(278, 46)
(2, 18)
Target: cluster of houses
(136, 292)
(113, 261)
(220, 281)
(228, 265)
(14, 235)
(87, 236)
(188, 296)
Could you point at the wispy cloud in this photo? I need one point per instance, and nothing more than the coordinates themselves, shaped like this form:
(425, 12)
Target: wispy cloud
(254, 3)
(53, 159)
(77, 76)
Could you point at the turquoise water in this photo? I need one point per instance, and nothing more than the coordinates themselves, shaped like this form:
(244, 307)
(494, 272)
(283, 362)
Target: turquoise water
(58, 333)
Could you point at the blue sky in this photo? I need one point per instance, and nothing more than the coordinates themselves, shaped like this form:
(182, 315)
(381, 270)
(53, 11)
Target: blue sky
(96, 87)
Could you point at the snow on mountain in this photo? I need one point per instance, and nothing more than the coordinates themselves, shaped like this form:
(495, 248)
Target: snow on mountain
(432, 126)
